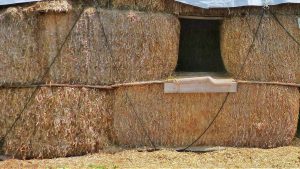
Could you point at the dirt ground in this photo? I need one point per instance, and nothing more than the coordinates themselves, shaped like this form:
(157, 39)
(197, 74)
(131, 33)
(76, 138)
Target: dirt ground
(282, 157)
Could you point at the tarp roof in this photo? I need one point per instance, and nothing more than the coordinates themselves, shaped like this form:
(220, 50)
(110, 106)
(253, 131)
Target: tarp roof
(201, 3)
(7, 2)
(233, 3)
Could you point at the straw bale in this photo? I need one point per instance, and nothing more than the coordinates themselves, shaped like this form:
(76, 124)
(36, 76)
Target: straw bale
(130, 53)
(59, 122)
(274, 57)
(256, 116)
(49, 6)
(144, 45)
(84, 58)
(154, 5)
(19, 47)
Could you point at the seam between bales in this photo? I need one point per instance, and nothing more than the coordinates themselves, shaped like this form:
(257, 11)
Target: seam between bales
(110, 87)
(37, 87)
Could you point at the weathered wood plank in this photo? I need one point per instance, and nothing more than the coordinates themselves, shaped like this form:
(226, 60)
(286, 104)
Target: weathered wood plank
(205, 84)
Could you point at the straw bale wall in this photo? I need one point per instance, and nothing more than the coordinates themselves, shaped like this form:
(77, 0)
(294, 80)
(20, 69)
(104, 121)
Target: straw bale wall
(129, 54)
(66, 121)
(59, 122)
(115, 46)
(256, 116)
(144, 57)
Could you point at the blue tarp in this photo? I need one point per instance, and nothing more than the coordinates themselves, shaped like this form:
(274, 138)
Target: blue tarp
(7, 2)
(233, 3)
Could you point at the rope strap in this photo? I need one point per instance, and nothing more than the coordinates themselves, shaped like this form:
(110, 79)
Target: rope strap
(110, 87)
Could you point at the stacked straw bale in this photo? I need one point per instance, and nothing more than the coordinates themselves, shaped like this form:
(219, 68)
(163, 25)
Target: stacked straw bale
(19, 52)
(68, 121)
(105, 48)
(49, 6)
(114, 47)
(111, 46)
(256, 116)
(59, 122)
(273, 57)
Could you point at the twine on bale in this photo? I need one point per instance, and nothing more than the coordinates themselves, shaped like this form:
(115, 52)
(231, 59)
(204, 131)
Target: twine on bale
(227, 95)
(78, 63)
(282, 26)
(127, 97)
(114, 86)
(43, 76)
(103, 31)
(268, 83)
(109, 87)
(265, 7)
(141, 122)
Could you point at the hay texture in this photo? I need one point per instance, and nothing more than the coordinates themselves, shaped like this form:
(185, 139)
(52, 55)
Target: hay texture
(49, 6)
(19, 52)
(113, 46)
(104, 48)
(256, 116)
(59, 122)
(274, 57)
(298, 73)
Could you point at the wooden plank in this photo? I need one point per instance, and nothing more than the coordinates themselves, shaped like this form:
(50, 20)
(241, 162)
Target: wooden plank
(204, 84)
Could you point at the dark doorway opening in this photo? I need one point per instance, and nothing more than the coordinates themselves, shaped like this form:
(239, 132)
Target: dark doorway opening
(199, 49)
